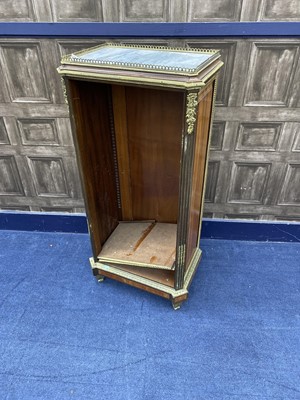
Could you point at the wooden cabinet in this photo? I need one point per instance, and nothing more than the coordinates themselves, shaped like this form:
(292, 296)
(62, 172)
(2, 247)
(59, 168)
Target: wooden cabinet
(141, 121)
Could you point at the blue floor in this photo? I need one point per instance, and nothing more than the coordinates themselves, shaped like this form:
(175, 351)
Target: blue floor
(63, 336)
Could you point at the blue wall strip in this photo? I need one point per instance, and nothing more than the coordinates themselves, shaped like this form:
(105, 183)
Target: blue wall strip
(211, 228)
(129, 30)
(43, 222)
(260, 231)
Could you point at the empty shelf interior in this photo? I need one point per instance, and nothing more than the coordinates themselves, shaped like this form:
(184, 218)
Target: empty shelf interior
(143, 244)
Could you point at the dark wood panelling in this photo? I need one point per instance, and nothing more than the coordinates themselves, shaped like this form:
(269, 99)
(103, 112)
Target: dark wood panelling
(211, 181)
(76, 10)
(178, 10)
(256, 120)
(248, 182)
(3, 133)
(289, 218)
(217, 135)
(17, 208)
(290, 193)
(296, 144)
(37, 132)
(225, 10)
(271, 63)
(258, 136)
(144, 10)
(280, 10)
(149, 10)
(26, 81)
(10, 182)
(200, 156)
(68, 46)
(34, 126)
(16, 10)
(241, 216)
(48, 176)
(250, 10)
(57, 209)
(94, 137)
(154, 152)
(219, 210)
(258, 114)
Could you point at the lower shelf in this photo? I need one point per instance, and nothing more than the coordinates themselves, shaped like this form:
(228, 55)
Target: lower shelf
(146, 244)
(158, 282)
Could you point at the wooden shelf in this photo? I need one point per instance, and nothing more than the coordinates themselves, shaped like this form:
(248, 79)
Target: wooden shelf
(146, 244)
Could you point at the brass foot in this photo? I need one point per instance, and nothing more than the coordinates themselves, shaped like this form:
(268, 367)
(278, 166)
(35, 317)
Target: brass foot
(100, 278)
(176, 304)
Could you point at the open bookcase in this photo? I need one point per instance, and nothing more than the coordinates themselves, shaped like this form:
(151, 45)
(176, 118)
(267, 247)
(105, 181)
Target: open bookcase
(141, 119)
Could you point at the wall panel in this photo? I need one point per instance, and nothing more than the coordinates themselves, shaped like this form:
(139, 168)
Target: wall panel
(19, 11)
(255, 146)
(77, 10)
(224, 10)
(144, 10)
(149, 10)
(280, 10)
(271, 73)
(10, 182)
(26, 82)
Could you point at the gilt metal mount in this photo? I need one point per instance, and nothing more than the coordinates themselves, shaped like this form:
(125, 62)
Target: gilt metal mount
(191, 108)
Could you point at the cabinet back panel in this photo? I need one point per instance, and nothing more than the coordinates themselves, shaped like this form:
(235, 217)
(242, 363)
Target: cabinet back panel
(200, 156)
(154, 129)
(94, 146)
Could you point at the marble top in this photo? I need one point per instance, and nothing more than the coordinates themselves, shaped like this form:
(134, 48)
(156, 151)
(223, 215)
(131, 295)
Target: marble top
(131, 57)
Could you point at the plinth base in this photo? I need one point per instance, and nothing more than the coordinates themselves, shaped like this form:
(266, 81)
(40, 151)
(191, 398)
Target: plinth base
(158, 282)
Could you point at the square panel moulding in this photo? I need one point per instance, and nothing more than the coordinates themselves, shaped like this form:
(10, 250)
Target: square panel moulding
(141, 119)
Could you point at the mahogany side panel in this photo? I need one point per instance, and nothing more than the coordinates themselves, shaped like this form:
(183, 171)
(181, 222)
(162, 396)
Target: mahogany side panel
(154, 126)
(200, 154)
(90, 107)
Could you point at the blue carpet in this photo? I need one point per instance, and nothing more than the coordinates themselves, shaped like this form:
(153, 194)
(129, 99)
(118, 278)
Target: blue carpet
(63, 336)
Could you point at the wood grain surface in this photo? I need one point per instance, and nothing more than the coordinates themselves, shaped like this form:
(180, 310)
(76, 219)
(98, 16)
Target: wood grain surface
(154, 123)
(121, 135)
(198, 171)
(148, 243)
(160, 276)
(90, 104)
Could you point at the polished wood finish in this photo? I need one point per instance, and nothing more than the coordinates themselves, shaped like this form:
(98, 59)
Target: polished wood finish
(200, 155)
(152, 169)
(154, 123)
(162, 277)
(142, 143)
(91, 110)
(148, 125)
(187, 152)
(121, 135)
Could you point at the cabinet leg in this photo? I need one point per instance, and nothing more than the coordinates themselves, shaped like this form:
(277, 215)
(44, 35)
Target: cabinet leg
(176, 304)
(100, 278)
